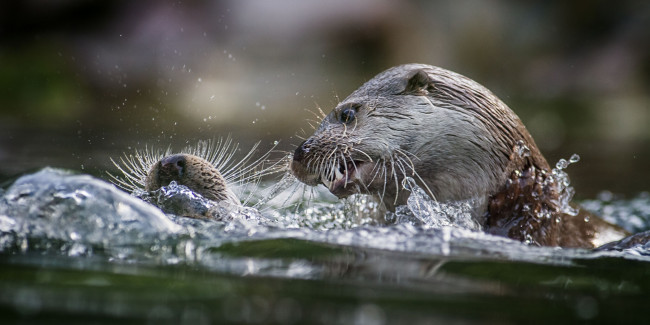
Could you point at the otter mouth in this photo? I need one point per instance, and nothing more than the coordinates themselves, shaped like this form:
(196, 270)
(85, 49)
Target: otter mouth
(341, 181)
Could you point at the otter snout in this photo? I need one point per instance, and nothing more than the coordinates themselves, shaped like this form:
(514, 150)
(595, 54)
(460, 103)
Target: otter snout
(299, 166)
(171, 168)
(302, 150)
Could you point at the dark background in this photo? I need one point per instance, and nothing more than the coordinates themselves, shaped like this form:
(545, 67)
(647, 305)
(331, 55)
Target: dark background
(82, 80)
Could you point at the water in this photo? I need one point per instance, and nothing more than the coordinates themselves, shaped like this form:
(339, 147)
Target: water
(75, 248)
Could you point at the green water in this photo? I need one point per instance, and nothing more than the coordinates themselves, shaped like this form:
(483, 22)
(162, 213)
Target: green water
(353, 286)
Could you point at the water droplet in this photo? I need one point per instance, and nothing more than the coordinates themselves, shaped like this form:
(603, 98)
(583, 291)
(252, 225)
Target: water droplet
(528, 239)
(574, 158)
(562, 163)
(522, 149)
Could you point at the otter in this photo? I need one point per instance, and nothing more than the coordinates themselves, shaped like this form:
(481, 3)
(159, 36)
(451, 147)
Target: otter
(207, 169)
(458, 141)
(198, 174)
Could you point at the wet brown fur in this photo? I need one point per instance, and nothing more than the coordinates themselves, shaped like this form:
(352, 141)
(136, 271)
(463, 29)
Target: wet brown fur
(199, 175)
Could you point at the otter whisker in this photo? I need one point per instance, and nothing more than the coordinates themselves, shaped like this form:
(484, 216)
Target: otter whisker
(330, 157)
(225, 161)
(363, 153)
(131, 181)
(321, 162)
(361, 181)
(136, 169)
(376, 171)
(320, 117)
(220, 155)
(323, 115)
(312, 125)
(244, 167)
(406, 154)
(399, 164)
(327, 168)
(394, 172)
(345, 166)
(385, 173)
(216, 156)
(415, 173)
(323, 168)
(335, 166)
(275, 167)
(323, 165)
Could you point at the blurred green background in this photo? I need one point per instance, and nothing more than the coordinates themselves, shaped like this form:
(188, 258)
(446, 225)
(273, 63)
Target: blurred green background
(81, 80)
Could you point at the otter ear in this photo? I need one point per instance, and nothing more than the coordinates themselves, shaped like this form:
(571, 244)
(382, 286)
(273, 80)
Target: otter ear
(418, 83)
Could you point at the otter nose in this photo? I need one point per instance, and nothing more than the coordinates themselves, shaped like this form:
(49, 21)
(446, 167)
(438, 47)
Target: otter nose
(173, 165)
(302, 150)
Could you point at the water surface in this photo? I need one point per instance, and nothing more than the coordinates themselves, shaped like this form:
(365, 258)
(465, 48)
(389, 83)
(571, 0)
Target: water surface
(75, 248)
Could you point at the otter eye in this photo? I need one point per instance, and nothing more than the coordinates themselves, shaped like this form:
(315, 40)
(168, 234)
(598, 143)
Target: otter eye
(347, 115)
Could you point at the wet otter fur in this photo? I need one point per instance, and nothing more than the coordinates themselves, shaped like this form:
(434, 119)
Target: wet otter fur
(458, 141)
(198, 174)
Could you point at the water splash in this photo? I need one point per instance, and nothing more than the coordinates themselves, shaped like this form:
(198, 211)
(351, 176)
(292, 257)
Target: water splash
(559, 180)
(77, 215)
(56, 209)
(421, 209)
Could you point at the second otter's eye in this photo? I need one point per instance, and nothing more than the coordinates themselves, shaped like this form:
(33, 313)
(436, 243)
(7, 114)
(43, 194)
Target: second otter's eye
(347, 115)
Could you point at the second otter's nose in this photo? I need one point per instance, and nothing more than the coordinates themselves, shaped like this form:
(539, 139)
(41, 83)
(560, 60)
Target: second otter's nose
(173, 165)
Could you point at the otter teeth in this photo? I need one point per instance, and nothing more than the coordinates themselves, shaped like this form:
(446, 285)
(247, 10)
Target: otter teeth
(338, 177)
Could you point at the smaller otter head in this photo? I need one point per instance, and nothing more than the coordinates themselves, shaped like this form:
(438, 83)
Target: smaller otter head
(196, 173)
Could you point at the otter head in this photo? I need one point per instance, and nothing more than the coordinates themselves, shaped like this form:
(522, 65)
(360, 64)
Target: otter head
(447, 132)
(196, 173)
